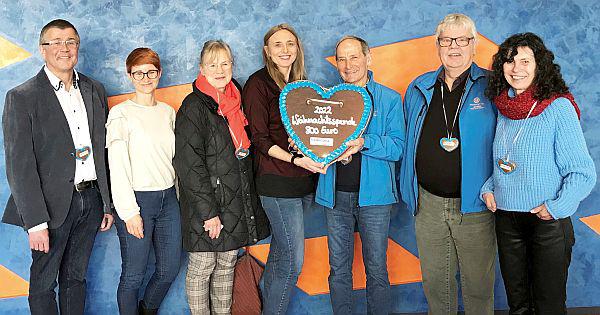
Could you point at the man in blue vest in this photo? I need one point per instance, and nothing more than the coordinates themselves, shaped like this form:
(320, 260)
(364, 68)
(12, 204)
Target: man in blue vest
(450, 130)
(362, 191)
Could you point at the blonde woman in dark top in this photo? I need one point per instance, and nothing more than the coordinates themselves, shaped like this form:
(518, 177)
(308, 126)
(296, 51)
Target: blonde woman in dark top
(284, 180)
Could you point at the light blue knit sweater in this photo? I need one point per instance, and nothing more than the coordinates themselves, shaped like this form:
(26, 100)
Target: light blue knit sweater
(553, 165)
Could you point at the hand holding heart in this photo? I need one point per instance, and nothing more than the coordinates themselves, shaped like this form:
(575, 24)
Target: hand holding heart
(307, 163)
(353, 147)
(311, 165)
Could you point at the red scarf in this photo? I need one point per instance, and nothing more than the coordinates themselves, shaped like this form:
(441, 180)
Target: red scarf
(517, 107)
(229, 107)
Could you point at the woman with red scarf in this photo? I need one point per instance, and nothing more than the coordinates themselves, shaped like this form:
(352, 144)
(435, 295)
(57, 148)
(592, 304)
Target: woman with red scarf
(542, 171)
(219, 207)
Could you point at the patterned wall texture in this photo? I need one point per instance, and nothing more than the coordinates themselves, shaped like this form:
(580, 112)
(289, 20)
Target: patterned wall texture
(176, 29)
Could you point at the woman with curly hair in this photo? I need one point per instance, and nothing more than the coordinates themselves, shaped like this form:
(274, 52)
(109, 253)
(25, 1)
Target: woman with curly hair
(542, 172)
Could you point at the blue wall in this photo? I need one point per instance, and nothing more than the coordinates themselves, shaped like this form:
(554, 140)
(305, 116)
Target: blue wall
(176, 29)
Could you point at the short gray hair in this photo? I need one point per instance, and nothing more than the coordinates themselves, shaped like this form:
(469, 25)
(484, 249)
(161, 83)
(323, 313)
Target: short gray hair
(364, 46)
(454, 20)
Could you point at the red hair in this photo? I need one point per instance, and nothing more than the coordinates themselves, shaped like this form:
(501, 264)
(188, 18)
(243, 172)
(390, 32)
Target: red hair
(142, 56)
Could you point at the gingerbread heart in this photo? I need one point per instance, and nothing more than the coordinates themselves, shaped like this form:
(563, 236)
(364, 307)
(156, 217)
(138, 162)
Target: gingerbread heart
(320, 121)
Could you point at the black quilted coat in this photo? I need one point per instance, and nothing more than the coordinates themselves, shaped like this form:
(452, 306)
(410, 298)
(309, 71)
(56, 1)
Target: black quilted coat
(212, 181)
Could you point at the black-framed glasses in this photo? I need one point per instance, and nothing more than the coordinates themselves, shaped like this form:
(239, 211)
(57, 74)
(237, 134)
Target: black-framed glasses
(71, 43)
(139, 75)
(460, 41)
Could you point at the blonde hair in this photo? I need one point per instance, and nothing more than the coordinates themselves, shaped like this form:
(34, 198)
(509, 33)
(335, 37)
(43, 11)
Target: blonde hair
(456, 20)
(212, 47)
(298, 72)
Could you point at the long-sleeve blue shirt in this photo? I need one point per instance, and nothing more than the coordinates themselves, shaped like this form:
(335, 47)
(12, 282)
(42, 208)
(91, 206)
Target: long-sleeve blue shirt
(553, 165)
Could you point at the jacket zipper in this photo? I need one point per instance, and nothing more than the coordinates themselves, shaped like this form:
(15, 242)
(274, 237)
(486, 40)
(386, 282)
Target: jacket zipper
(417, 135)
(220, 190)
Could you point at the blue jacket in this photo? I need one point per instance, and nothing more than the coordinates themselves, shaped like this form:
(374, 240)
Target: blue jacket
(384, 145)
(477, 123)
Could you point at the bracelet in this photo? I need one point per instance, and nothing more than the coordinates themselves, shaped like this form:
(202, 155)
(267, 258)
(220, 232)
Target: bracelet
(294, 156)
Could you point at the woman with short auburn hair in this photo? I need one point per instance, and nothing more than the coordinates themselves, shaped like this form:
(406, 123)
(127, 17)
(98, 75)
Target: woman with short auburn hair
(141, 146)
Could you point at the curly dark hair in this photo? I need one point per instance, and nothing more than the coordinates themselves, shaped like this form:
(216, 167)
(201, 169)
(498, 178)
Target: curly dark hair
(548, 80)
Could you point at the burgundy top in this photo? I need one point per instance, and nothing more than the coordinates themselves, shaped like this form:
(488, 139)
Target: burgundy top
(275, 178)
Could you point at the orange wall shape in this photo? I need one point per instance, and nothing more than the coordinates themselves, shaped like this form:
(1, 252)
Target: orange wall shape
(403, 267)
(396, 65)
(593, 222)
(11, 284)
(172, 95)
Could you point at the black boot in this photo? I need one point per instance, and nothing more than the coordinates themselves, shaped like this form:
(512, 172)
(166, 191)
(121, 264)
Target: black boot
(142, 310)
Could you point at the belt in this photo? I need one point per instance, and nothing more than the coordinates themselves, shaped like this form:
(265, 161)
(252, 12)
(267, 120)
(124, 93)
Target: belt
(85, 185)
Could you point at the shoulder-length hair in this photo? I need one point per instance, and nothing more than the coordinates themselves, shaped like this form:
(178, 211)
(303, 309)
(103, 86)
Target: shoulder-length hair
(548, 79)
(298, 71)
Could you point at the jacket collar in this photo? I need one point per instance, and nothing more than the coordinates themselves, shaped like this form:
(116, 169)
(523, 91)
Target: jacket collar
(49, 83)
(429, 82)
(56, 83)
(426, 85)
(370, 82)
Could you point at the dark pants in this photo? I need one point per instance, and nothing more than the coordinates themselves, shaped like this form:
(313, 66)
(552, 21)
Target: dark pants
(162, 232)
(534, 260)
(70, 249)
(373, 227)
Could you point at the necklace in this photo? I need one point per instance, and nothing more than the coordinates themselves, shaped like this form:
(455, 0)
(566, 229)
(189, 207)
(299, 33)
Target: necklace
(450, 143)
(505, 163)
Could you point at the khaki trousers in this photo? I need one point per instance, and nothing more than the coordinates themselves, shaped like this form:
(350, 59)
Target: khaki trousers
(449, 241)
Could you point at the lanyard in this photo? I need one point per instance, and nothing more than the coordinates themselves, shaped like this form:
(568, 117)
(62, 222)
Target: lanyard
(460, 103)
(519, 132)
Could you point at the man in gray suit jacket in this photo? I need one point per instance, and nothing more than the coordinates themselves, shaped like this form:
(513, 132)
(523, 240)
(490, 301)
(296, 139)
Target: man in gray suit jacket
(54, 139)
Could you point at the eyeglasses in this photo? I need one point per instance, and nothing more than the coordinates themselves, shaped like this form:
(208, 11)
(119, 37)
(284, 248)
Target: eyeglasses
(460, 41)
(71, 43)
(139, 75)
(212, 67)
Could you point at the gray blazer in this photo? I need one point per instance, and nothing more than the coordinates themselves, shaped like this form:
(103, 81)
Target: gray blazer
(40, 165)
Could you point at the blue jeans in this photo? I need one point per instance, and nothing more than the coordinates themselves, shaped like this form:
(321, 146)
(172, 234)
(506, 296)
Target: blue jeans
(70, 250)
(286, 253)
(373, 226)
(162, 231)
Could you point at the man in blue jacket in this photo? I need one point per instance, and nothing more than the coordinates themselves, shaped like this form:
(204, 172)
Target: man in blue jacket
(363, 190)
(448, 156)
